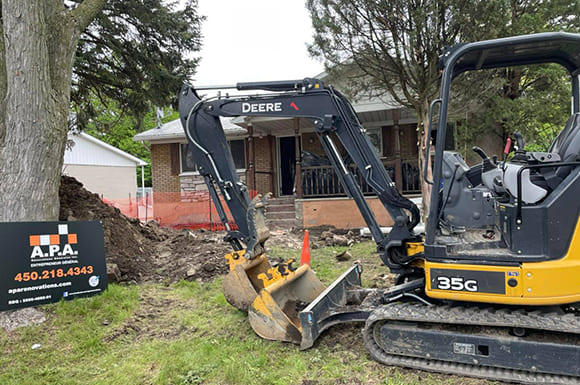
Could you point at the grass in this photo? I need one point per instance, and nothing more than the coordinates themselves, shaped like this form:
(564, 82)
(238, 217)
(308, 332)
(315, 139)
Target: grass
(187, 334)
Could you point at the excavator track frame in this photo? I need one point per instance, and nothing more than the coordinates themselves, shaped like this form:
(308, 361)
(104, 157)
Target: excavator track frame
(473, 354)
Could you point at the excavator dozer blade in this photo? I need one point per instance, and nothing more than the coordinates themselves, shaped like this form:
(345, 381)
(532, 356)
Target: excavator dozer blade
(242, 285)
(274, 314)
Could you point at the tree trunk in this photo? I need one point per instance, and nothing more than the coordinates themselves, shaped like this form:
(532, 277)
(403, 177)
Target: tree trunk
(423, 114)
(36, 58)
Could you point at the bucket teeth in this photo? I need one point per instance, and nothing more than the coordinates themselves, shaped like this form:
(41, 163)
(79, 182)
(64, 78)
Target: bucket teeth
(274, 313)
(272, 295)
(242, 285)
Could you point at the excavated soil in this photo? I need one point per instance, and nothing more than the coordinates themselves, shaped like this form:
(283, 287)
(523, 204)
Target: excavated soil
(145, 253)
(136, 252)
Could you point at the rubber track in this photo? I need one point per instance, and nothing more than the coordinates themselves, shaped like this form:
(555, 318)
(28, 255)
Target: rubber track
(469, 316)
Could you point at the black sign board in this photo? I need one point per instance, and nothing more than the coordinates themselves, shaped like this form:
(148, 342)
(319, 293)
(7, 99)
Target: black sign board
(43, 262)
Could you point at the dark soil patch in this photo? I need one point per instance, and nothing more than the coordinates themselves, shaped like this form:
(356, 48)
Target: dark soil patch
(341, 337)
(144, 253)
(152, 320)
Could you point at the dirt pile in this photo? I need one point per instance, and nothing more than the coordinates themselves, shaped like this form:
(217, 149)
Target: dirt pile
(137, 252)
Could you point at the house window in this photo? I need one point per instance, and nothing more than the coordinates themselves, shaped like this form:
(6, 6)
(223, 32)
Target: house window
(376, 137)
(237, 148)
(187, 162)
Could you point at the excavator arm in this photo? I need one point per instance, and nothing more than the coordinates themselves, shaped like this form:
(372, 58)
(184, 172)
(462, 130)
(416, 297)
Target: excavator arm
(330, 113)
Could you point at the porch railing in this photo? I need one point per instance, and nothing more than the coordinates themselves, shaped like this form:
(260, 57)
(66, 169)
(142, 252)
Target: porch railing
(322, 181)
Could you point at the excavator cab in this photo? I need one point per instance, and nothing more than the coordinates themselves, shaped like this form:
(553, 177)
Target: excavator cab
(527, 218)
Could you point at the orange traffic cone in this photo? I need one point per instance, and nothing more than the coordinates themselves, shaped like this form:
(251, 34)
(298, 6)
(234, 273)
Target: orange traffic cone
(305, 256)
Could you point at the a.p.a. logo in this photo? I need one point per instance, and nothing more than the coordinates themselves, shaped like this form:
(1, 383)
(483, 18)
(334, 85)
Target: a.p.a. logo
(54, 245)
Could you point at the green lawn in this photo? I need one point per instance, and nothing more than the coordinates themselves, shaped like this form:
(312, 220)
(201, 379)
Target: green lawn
(187, 334)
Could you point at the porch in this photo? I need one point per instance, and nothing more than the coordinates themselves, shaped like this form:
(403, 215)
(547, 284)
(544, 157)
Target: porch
(323, 182)
(284, 156)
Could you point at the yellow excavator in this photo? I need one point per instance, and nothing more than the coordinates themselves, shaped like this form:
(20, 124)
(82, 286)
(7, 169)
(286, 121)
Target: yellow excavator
(490, 290)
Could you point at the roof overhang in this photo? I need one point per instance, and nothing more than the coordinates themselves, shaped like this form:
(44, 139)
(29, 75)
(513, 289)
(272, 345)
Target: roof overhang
(173, 132)
(108, 147)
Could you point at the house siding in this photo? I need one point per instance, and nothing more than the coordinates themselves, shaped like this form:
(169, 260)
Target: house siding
(161, 171)
(111, 182)
(311, 144)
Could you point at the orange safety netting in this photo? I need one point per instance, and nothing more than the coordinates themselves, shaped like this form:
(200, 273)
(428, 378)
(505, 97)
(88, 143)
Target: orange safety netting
(191, 210)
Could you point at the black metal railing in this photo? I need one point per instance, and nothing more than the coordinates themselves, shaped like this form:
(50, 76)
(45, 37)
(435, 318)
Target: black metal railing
(322, 181)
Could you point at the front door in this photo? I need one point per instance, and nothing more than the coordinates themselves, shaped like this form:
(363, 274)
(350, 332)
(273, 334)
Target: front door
(287, 164)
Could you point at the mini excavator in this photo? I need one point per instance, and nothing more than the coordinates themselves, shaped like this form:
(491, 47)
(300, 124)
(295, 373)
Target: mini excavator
(490, 290)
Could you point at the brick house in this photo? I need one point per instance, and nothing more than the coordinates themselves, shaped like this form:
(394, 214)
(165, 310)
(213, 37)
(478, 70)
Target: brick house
(284, 156)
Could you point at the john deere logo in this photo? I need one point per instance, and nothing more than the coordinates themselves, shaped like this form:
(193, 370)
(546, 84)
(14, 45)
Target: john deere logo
(53, 245)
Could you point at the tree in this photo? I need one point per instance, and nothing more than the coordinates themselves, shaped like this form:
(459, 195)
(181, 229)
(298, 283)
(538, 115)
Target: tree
(135, 55)
(394, 46)
(538, 107)
(116, 128)
(534, 100)
(131, 51)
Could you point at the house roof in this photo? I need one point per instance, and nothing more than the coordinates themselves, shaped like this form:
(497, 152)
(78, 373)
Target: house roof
(88, 150)
(372, 111)
(174, 130)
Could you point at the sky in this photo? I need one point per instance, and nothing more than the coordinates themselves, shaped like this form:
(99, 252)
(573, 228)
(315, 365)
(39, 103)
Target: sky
(255, 40)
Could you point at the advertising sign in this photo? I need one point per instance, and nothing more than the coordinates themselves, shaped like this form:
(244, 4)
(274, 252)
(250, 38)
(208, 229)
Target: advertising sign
(43, 262)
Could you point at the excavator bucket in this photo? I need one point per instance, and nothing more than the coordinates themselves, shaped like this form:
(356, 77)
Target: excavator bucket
(242, 285)
(274, 314)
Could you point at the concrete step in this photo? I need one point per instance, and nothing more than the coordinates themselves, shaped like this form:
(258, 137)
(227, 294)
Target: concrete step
(281, 223)
(281, 215)
(280, 208)
(280, 201)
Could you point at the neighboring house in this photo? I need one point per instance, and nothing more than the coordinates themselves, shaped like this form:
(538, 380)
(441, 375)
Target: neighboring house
(285, 157)
(102, 168)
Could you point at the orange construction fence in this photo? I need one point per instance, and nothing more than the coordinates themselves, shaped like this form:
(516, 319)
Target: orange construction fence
(191, 210)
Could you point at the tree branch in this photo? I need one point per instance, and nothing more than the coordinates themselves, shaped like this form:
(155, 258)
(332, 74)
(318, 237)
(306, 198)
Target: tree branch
(86, 12)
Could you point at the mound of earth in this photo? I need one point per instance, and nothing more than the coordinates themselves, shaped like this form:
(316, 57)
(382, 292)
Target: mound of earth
(141, 253)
